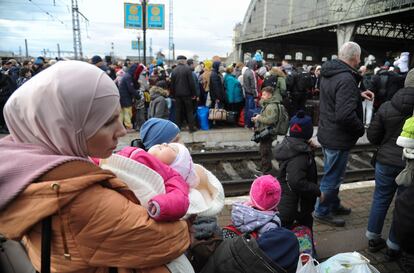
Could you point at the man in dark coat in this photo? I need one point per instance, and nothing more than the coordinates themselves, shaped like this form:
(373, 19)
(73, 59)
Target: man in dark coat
(128, 90)
(184, 90)
(340, 126)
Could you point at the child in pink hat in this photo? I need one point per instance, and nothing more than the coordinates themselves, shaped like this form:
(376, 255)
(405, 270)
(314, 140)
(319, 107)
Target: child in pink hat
(259, 214)
(265, 193)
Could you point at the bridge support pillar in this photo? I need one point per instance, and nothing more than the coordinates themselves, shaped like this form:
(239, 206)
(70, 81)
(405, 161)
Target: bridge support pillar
(345, 33)
(239, 53)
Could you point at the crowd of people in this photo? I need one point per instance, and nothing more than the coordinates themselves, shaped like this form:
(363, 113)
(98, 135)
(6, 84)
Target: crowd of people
(149, 208)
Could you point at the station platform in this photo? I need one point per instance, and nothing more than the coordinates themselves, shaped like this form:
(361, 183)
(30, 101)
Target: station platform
(220, 138)
(329, 240)
(332, 240)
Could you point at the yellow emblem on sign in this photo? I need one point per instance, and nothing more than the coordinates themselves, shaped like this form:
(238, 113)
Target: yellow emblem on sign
(155, 11)
(133, 10)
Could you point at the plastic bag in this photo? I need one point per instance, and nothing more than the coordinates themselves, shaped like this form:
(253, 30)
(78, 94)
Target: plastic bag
(349, 262)
(309, 266)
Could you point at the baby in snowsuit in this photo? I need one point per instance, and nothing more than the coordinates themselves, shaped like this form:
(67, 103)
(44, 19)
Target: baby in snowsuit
(167, 182)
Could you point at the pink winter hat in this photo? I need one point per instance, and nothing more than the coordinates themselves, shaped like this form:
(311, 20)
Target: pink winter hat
(265, 192)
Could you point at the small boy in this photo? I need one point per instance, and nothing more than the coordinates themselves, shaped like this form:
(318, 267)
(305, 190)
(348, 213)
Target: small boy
(268, 117)
(297, 174)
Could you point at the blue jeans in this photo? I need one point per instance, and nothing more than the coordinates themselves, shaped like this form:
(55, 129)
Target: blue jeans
(385, 188)
(334, 166)
(249, 105)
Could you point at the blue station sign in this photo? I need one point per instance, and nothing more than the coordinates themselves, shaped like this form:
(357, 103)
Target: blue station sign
(133, 16)
(156, 16)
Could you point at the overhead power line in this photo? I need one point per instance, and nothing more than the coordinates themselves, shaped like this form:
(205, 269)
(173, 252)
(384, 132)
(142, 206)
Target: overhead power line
(48, 13)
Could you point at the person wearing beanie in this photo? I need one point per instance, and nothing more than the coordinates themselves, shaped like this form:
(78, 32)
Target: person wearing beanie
(267, 119)
(391, 119)
(298, 174)
(97, 60)
(38, 65)
(282, 247)
(161, 180)
(259, 214)
(158, 107)
(177, 188)
(158, 131)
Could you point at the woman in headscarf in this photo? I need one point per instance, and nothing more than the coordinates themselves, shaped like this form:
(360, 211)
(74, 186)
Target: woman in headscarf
(45, 171)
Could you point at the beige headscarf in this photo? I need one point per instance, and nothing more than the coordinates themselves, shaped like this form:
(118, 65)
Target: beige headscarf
(61, 107)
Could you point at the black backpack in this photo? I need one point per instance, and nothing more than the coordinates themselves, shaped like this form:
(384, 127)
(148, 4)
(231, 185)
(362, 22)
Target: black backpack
(382, 91)
(270, 81)
(291, 80)
(304, 82)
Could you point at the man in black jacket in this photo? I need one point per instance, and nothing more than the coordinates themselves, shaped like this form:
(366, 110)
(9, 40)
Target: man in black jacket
(340, 126)
(184, 90)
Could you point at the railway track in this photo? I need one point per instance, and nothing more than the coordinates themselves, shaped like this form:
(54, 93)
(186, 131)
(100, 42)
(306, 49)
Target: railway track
(236, 169)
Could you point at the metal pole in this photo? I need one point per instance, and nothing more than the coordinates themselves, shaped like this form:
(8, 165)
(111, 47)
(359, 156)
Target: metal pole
(144, 29)
(58, 48)
(27, 49)
(139, 49)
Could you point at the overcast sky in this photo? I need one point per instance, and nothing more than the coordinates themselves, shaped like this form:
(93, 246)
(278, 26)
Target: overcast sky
(204, 27)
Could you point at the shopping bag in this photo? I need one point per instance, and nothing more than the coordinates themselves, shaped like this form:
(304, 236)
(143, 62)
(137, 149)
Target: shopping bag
(349, 262)
(310, 266)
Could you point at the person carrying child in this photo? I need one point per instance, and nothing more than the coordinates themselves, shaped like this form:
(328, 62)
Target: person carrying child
(177, 188)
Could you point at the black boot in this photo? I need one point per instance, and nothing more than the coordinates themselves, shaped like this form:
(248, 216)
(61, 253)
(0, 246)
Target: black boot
(330, 220)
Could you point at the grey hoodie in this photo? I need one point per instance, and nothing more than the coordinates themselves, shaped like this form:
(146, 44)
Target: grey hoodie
(249, 79)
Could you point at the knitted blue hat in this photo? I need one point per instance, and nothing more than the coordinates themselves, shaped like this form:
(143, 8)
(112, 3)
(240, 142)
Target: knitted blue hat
(157, 131)
(287, 256)
(300, 126)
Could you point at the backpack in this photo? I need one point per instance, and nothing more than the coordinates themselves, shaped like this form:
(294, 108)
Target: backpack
(304, 82)
(382, 92)
(282, 125)
(270, 81)
(291, 80)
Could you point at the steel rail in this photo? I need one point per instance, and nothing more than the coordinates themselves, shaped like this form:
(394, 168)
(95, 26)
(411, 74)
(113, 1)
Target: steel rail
(241, 186)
